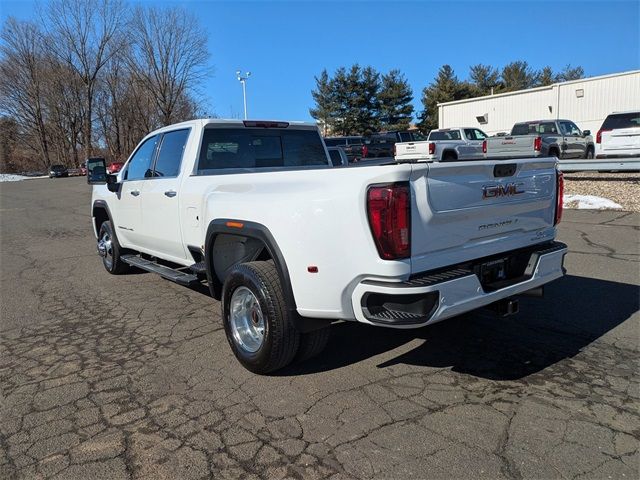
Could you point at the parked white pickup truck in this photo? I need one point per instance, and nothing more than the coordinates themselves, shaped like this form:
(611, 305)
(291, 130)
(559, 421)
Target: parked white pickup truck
(289, 243)
(444, 145)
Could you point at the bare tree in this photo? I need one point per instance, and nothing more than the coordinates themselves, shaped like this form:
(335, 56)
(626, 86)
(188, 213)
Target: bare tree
(86, 35)
(22, 80)
(168, 57)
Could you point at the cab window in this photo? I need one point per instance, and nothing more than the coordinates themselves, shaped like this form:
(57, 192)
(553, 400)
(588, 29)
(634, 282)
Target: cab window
(170, 153)
(139, 166)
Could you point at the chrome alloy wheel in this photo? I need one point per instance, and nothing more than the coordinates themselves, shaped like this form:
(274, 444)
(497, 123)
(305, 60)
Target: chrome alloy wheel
(247, 321)
(105, 249)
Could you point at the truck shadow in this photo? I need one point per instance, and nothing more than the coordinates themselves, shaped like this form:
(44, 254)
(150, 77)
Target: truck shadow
(574, 312)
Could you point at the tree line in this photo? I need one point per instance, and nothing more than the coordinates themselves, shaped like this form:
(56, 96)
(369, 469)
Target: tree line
(93, 77)
(358, 100)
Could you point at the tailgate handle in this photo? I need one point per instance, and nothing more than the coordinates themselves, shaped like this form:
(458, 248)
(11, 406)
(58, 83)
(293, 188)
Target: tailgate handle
(502, 170)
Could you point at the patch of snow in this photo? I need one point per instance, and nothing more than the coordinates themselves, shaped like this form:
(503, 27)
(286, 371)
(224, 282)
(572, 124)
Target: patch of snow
(589, 202)
(8, 177)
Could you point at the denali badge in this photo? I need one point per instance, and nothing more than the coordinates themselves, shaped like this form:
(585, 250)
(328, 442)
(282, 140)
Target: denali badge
(506, 190)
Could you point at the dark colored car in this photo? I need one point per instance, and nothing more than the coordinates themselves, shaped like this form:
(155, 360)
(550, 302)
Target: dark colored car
(115, 167)
(352, 146)
(381, 145)
(57, 171)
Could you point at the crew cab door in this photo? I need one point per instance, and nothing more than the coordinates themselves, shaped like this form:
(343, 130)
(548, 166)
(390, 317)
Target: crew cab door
(473, 146)
(125, 208)
(161, 228)
(576, 144)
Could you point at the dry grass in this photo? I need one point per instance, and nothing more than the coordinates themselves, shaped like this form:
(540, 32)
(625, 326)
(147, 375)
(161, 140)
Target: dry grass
(623, 188)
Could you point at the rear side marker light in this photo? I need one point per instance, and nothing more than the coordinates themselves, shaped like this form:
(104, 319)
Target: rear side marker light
(389, 212)
(312, 269)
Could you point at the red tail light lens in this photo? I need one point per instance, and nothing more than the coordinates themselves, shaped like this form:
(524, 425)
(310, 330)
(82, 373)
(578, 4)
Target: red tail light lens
(365, 151)
(484, 146)
(599, 135)
(432, 148)
(389, 211)
(559, 196)
(537, 144)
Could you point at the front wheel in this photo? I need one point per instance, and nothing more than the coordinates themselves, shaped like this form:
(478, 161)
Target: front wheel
(109, 249)
(589, 154)
(256, 321)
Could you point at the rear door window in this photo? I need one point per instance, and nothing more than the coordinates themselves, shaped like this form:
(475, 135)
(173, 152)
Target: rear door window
(139, 167)
(334, 142)
(170, 153)
(244, 148)
(621, 120)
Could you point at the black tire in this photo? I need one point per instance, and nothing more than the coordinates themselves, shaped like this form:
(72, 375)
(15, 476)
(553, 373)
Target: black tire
(280, 337)
(449, 157)
(313, 343)
(112, 263)
(554, 153)
(589, 153)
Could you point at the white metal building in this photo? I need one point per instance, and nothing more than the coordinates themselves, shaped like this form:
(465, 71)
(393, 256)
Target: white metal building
(587, 102)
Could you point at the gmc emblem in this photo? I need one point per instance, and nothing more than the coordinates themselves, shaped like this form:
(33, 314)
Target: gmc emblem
(506, 190)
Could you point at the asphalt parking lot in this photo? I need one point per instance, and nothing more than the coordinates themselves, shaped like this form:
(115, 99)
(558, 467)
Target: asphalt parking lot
(131, 376)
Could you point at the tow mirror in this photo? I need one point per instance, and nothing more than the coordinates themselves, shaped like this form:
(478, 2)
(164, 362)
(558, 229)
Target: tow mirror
(96, 171)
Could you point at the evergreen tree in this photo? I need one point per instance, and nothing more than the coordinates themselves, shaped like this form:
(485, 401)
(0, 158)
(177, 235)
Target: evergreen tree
(518, 76)
(395, 101)
(484, 78)
(546, 77)
(569, 73)
(324, 96)
(445, 88)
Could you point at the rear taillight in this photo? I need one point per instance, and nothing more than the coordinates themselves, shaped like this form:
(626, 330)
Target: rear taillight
(484, 146)
(599, 135)
(394, 149)
(389, 211)
(432, 148)
(537, 144)
(559, 196)
(365, 151)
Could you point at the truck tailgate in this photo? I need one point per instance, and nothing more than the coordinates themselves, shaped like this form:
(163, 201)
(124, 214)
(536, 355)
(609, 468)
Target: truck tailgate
(468, 210)
(413, 151)
(512, 146)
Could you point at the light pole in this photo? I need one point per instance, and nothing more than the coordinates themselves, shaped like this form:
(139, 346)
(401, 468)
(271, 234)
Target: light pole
(243, 81)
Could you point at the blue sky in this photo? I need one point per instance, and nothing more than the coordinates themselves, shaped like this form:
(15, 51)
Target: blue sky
(284, 44)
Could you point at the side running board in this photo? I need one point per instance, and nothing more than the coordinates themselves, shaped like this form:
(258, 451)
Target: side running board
(169, 273)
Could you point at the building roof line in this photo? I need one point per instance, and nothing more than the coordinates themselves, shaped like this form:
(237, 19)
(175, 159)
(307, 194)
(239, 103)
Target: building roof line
(539, 89)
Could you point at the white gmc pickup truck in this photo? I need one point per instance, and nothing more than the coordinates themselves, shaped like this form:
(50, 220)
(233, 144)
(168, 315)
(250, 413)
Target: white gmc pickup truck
(289, 243)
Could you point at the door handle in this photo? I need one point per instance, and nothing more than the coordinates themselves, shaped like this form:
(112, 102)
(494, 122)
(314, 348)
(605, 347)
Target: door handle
(135, 193)
(170, 193)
